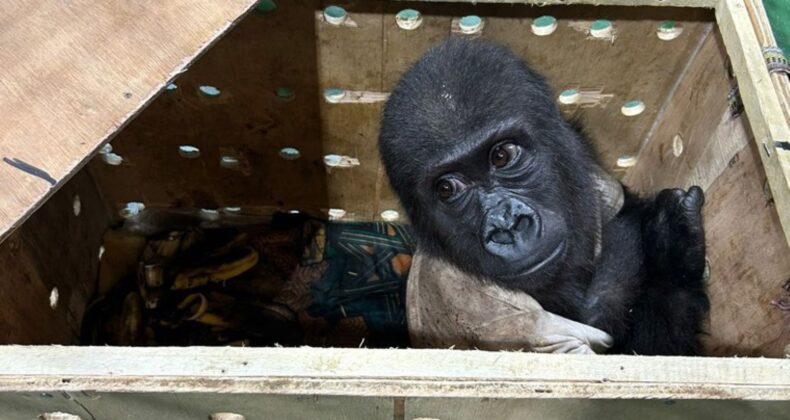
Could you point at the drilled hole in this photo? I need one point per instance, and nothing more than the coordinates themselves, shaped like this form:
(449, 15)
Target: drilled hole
(132, 208)
(290, 153)
(77, 205)
(188, 152)
(54, 296)
(209, 91)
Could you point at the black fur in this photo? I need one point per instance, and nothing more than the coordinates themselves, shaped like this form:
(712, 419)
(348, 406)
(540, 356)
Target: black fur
(530, 224)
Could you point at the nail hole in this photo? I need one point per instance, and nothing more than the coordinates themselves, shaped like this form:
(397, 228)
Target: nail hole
(284, 93)
(626, 161)
(601, 28)
(290, 153)
(408, 19)
(668, 30)
(77, 205)
(231, 209)
(544, 26)
(390, 215)
(266, 6)
(677, 145)
(570, 96)
(228, 161)
(132, 208)
(127, 95)
(334, 95)
(470, 24)
(209, 91)
(335, 15)
(336, 214)
(171, 87)
(188, 152)
(54, 296)
(632, 108)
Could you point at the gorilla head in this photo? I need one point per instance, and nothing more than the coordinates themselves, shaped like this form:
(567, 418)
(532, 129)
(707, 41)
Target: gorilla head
(492, 177)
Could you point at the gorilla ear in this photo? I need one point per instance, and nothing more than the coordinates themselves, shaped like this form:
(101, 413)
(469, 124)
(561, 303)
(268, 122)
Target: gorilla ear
(610, 194)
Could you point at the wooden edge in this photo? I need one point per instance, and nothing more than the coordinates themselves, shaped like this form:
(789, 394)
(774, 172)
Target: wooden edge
(373, 373)
(121, 122)
(673, 3)
(760, 100)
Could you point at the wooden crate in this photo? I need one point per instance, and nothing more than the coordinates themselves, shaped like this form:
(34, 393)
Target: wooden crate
(77, 75)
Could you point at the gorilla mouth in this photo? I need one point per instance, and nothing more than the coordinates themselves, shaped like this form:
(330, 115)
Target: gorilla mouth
(538, 265)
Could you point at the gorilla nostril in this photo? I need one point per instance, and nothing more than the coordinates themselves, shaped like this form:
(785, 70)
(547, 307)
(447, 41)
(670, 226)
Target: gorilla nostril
(523, 222)
(501, 236)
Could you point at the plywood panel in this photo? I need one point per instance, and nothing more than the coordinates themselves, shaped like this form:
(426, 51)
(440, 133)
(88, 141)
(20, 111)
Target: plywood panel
(74, 72)
(55, 249)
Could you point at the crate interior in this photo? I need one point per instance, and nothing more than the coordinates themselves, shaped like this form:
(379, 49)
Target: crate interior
(220, 143)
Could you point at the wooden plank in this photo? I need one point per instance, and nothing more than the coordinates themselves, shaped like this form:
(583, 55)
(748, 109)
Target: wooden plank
(73, 74)
(191, 406)
(382, 373)
(55, 249)
(593, 409)
(760, 100)
(171, 406)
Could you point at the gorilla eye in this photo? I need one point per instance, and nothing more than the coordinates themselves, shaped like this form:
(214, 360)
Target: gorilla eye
(447, 187)
(503, 154)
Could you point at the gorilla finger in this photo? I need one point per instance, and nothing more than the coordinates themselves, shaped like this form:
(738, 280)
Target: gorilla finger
(694, 199)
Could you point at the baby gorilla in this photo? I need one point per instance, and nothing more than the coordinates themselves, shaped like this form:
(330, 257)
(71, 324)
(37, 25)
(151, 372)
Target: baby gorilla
(496, 182)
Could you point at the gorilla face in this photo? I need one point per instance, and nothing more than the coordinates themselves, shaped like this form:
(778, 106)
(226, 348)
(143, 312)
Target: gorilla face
(491, 175)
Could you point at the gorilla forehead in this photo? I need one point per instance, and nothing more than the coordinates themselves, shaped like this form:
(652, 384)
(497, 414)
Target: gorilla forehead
(459, 89)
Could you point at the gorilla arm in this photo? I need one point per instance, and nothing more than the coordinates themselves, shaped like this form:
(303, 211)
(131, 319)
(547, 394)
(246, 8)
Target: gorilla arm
(450, 308)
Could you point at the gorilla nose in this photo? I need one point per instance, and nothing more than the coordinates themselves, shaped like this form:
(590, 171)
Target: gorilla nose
(510, 224)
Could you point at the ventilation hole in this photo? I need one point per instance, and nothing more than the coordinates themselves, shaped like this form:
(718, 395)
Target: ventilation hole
(601, 29)
(171, 87)
(408, 19)
(107, 148)
(58, 416)
(77, 205)
(188, 152)
(570, 96)
(266, 6)
(333, 160)
(209, 91)
(101, 252)
(226, 416)
(632, 108)
(668, 31)
(390, 215)
(470, 24)
(335, 15)
(209, 214)
(544, 26)
(677, 145)
(334, 95)
(229, 161)
(231, 209)
(132, 208)
(112, 159)
(293, 212)
(54, 296)
(284, 94)
(290, 153)
(336, 214)
(626, 161)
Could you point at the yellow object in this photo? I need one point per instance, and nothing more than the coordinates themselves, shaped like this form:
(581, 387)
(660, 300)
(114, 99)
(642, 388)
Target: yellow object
(200, 276)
